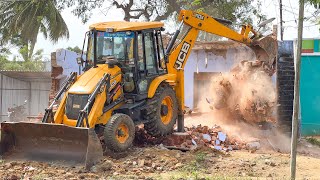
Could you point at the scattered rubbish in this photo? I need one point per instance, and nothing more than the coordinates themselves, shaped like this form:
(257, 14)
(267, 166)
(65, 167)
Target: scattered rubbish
(270, 162)
(217, 141)
(161, 146)
(203, 136)
(195, 137)
(222, 136)
(206, 137)
(194, 142)
(29, 168)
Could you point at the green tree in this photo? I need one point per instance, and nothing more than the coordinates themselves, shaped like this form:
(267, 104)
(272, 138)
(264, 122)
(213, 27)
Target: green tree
(23, 20)
(316, 3)
(75, 49)
(156, 10)
(33, 64)
(237, 11)
(3, 61)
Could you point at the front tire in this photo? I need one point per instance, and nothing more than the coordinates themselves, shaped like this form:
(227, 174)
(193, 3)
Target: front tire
(162, 111)
(119, 133)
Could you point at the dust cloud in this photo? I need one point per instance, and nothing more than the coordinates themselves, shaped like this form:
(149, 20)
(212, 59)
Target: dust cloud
(243, 103)
(246, 91)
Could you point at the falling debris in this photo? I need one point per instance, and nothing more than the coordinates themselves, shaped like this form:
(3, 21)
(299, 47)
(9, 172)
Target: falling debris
(246, 91)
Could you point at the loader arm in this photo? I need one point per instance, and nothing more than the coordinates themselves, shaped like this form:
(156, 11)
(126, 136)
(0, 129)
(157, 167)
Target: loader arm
(197, 21)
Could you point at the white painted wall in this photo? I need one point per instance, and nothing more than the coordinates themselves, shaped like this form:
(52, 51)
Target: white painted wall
(67, 60)
(216, 63)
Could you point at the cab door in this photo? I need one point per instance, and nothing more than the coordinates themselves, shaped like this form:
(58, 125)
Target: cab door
(148, 66)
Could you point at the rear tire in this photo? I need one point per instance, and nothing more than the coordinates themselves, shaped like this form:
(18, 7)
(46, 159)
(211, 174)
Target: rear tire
(119, 133)
(161, 112)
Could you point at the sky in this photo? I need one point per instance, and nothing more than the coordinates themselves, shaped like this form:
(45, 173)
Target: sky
(269, 7)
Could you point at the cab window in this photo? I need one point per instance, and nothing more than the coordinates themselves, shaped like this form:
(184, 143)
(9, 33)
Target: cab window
(140, 54)
(150, 53)
(118, 45)
(161, 57)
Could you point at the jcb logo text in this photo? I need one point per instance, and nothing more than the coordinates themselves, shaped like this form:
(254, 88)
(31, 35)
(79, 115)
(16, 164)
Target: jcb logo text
(182, 55)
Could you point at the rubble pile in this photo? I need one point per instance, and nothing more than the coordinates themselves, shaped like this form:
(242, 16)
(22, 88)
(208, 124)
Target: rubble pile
(195, 137)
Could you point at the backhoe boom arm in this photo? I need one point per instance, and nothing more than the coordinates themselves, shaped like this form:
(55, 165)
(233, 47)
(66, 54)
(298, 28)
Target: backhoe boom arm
(178, 56)
(204, 22)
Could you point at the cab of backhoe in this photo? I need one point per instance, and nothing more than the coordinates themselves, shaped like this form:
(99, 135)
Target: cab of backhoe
(136, 48)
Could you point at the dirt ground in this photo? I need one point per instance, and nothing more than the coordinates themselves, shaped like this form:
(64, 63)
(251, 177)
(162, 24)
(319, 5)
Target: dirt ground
(157, 162)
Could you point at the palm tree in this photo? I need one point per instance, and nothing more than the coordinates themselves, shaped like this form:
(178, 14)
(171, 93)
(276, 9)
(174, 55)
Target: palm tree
(26, 19)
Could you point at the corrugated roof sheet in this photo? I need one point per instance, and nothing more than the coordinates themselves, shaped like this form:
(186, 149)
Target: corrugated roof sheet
(27, 75)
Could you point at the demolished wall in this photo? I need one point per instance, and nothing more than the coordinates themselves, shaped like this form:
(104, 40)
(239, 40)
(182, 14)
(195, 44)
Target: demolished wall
(220, 56)
(63, 62)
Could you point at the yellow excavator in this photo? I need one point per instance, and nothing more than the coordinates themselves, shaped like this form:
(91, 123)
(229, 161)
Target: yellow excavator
(129, 79)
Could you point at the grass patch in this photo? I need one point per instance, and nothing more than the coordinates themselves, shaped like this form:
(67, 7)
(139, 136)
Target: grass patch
(313, 141)
(195, 169)
(200, 157)
(39, 177)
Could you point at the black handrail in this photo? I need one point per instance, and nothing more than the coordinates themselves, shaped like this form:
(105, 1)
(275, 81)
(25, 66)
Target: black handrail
(85, 111)
(48, 111)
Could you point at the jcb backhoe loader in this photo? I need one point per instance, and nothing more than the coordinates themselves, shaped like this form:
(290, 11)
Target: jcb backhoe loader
(129, 79)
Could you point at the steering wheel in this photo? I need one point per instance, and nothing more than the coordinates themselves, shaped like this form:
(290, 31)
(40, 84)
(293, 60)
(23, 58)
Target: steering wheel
(101, 59)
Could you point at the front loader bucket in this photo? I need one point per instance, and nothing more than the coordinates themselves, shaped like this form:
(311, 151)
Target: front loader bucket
(266, 49)
(50, 143)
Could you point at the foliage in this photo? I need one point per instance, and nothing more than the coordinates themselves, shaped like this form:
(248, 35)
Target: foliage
(316, 3)
(24, 66)
(237, 11)
(3, 61)
(82, 8)
(21, 22)
(75, 49)
(33, 64)
(197, 166)
(156, 10)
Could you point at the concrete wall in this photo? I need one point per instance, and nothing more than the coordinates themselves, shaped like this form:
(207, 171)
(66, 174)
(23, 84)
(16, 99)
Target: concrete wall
(15, 92)
(68, 61)
(218, 61)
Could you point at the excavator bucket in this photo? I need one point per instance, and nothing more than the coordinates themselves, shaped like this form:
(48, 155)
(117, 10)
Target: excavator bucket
(266, 49)
(50, 143)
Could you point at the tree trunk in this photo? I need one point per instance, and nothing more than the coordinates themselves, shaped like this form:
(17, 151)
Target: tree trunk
(25, 56)
(30, 52)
